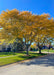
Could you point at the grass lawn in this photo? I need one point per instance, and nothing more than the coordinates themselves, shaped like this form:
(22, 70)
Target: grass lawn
(19, 57)
(48, 50)
(2, 54)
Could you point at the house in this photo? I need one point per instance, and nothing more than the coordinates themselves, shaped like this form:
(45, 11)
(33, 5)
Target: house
(5, 48)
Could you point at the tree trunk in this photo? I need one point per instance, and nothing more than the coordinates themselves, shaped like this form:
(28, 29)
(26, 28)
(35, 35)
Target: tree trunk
(39, 51)
(39, 47)
(27, 51)
(28, 48)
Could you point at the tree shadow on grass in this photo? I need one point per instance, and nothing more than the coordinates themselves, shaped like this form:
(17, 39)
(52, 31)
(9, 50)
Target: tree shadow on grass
(43, 61)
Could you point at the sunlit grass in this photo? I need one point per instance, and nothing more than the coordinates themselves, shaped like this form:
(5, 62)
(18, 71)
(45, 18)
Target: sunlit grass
(48, 50)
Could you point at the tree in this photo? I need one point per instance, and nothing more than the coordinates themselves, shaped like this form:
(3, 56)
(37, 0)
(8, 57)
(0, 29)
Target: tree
(26, 27)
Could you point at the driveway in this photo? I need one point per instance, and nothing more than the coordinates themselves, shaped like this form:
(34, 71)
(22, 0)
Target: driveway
(39, 66)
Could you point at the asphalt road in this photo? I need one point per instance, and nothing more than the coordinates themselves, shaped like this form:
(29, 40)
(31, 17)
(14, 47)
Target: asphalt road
(39, 66)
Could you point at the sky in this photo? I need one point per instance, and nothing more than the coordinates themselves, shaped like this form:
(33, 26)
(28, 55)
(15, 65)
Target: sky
(35, 6)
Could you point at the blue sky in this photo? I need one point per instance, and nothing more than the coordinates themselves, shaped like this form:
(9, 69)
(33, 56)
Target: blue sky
(36, 6)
